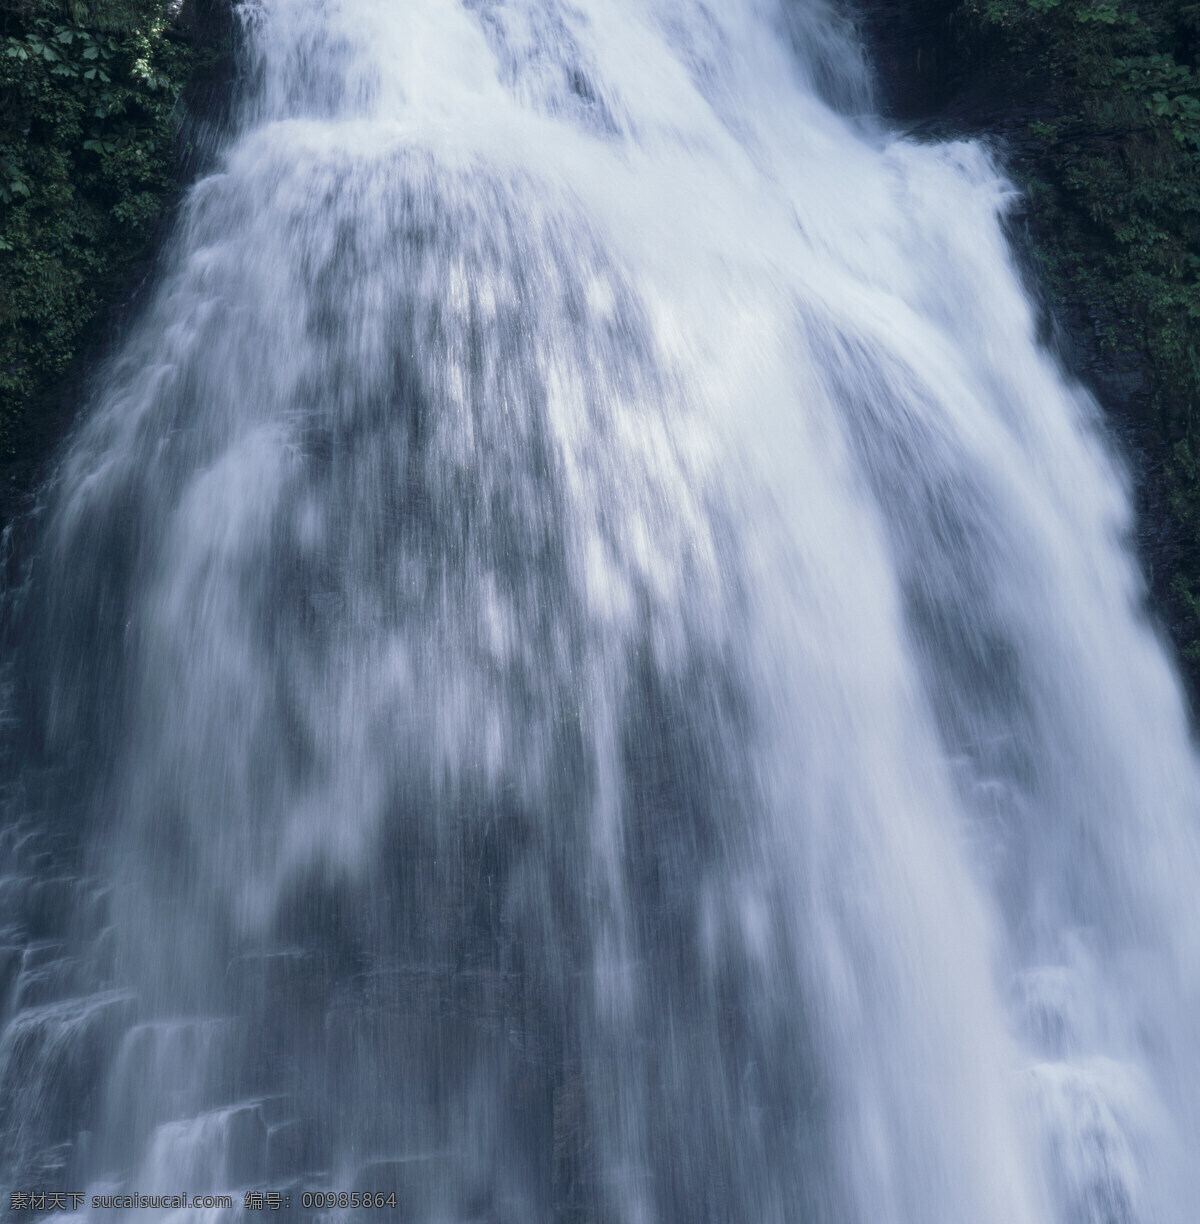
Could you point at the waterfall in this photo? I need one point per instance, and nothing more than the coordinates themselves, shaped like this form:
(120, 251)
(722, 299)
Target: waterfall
(583, 664)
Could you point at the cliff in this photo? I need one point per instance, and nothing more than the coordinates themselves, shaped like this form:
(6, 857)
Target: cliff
(105, 113)
(1094, 106)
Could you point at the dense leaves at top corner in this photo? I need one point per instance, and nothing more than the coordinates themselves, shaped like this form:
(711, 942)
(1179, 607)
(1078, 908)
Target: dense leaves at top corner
(1115, 173)
(88, 119)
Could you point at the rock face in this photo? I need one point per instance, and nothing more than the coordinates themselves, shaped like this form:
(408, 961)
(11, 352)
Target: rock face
(941, 81)
(89, 279)
(942, 86)
(911, 50)
(64, 1032)
(212, 27)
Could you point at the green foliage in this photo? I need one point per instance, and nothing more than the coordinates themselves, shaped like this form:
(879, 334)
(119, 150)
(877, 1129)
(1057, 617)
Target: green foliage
(88, 117)
(1021, 15)
(1116, 172)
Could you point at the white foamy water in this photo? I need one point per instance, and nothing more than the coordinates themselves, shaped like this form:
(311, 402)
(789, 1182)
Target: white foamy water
(602, 663)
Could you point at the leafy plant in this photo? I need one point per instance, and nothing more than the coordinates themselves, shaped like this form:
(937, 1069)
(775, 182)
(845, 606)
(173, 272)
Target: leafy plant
(88, 118)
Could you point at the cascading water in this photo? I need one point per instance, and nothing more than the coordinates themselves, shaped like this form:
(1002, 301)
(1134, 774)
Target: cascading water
(583, 666)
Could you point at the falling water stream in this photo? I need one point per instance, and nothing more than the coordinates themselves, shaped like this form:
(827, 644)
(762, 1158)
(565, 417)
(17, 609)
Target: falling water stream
(583, 665)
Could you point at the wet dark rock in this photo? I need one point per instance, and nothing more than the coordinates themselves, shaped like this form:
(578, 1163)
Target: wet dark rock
(11, 957)
(418, 1181)
(52, 1060)
(247, 1160)
(14, 889)
(47, 974)
(574, 1161)
(287, 976)
(49, 906)
(913, 54)
(292, 1148)
(51, 1165)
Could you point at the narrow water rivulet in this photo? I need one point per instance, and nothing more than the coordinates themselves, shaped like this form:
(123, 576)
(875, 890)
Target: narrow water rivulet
(583, 665)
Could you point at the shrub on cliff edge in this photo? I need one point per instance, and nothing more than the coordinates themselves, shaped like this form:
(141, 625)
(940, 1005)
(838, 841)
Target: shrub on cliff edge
(88, 119)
